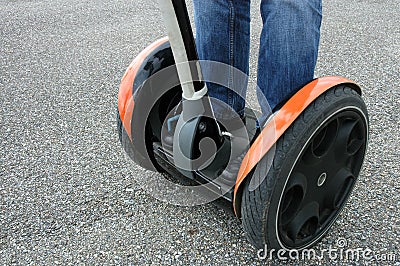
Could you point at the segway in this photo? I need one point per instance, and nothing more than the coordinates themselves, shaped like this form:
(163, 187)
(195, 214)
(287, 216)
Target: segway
(314, 144)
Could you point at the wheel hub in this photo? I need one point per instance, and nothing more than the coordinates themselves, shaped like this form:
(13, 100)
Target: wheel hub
(322, 179)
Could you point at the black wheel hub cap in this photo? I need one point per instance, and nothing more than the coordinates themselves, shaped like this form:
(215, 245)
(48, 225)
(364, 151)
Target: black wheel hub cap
(322, 179)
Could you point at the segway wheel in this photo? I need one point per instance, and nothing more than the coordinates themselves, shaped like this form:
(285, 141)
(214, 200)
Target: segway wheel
(316, 164)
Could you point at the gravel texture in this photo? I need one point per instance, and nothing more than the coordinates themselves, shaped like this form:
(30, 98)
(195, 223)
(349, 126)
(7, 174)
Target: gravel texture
(67, 194)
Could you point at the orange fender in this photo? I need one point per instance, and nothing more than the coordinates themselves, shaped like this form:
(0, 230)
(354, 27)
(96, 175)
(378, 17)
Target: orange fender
(125, 97)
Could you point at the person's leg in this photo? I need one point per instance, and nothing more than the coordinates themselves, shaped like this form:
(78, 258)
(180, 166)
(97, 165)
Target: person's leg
(223, 35)
(288, 48)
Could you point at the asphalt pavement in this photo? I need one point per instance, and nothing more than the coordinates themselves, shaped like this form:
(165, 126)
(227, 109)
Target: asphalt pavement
(68, 194)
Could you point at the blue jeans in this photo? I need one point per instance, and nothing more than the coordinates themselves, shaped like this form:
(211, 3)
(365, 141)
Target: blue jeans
(288, 47)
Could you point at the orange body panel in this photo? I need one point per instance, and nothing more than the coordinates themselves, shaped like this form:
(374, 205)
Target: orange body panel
(280, 122)
(125, 98)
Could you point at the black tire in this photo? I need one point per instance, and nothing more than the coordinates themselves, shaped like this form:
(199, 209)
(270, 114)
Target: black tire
(124, 138)
(325, 145)
(152, 131)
